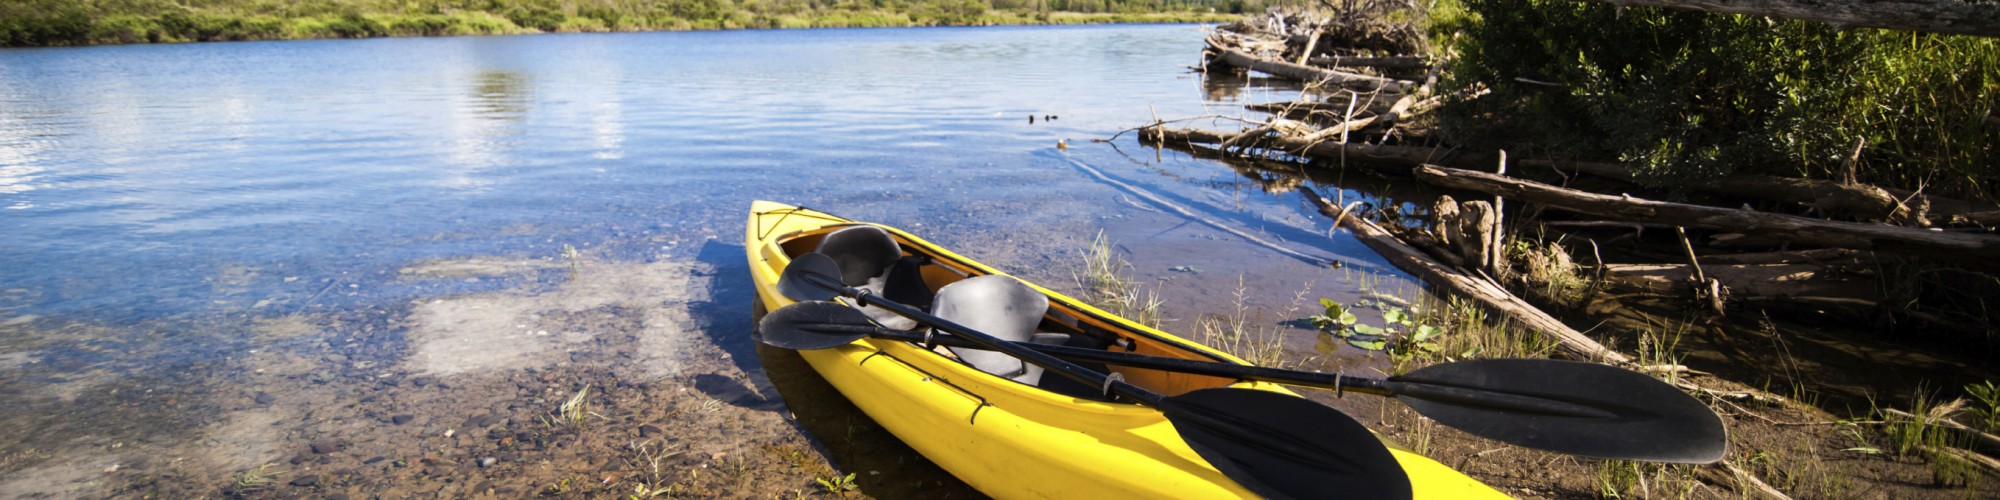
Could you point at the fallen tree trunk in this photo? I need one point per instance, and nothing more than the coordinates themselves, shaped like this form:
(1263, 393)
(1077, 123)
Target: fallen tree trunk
(1388, 62)
(1395, 113)
(1388, 159)
(1987, 218)
(1748, 281)
(1856, 200)
(1488, 294)
(1937, 16)
(1863, 201)
(1960, 246)
(1336, 109)
(1232, 57)
(1814, 256)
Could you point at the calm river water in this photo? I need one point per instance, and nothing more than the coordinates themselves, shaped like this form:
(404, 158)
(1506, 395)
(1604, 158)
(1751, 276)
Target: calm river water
(341, 265)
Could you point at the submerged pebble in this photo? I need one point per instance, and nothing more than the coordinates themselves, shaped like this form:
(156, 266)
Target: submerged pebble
(324, 447)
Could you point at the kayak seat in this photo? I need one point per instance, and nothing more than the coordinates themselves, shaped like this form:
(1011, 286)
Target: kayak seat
(871, 260)
(999, 306)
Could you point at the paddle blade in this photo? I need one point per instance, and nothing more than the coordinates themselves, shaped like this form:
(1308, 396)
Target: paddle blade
(807, 326)
(1635, 417)
(803, 280)
(1283, 446)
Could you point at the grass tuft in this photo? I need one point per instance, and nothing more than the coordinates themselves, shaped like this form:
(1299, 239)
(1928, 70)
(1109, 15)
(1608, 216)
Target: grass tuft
(574, 414)
(1245, 336)
(1106, 283)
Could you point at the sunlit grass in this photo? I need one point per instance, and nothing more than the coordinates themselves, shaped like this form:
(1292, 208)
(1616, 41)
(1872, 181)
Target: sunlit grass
(1105, 279)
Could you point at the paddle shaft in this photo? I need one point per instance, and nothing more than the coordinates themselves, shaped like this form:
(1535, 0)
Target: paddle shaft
(981, 340)
(1445, 394)
(1235, 427)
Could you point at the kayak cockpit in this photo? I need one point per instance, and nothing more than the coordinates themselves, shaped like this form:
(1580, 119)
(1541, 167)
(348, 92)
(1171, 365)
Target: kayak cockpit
(908, 270)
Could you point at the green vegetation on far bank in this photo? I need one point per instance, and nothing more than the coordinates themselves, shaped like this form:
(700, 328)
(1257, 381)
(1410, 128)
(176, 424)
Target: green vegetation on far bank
(91, 22)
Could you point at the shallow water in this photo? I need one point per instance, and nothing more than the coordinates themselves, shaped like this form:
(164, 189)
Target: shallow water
(224, 252)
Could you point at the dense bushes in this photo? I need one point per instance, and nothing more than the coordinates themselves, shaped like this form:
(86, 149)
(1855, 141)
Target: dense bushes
(1690, 95)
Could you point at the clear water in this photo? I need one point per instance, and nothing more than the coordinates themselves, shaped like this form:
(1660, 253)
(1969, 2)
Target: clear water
(165, 195)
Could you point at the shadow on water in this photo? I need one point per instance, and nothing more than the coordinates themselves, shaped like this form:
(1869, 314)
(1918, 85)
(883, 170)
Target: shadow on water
(781, 379)
(881, 463)
(725, 316)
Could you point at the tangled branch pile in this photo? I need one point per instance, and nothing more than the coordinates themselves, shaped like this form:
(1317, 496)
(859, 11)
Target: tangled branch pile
(1795, 183)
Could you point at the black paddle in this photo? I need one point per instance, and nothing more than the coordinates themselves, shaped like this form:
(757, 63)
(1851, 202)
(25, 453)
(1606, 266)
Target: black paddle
(1270, 443)
(1563, 406)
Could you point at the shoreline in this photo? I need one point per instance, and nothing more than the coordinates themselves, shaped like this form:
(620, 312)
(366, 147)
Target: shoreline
(177, 28)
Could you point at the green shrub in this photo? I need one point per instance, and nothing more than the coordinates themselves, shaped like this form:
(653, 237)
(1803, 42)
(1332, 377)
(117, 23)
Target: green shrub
(536, 18)
(1689, 95)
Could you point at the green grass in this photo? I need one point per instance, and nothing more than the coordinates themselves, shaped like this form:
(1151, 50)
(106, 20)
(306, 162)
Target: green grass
(1105, 279)
(254, 480)
(573, 414)
(1244, 335)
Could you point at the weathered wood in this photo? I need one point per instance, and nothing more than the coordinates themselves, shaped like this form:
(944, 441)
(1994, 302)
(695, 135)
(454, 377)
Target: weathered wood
(1746, 483)
(1387, 159)
(1814, 256)
(1396, 113)
(1749, 281)
(1445, 221)
(1862, 201)
(1937, 16)
(1333, 109)
(1479, 227)
(1856, 200)
(1387, 62)
(1232, 57)
(1962, 246)
(1987, 218)
(1636, 227)
(1305, 56)
(1488, 294)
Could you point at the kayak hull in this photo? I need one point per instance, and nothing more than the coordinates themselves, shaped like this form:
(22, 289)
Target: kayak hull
(1011, 440)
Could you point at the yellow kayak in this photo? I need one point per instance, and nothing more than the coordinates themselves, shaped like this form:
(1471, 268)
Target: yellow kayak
(1014, 434)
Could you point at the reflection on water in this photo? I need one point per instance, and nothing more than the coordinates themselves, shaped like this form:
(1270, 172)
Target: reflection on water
(500, 96)
(1228, 87)
(224, 254)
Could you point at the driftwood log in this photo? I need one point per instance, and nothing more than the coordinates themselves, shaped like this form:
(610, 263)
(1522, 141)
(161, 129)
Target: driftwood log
(1855, 200)
(1748, 281)
(1940, 16)
(1385, 62)
(1487, 293)
(1987, 218)
(1861, 201)
(1964, 247)
(1388, 159)
(1227, 56)
(1336, 108)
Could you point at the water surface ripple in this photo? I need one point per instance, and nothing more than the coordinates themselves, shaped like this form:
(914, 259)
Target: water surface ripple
(167, 210)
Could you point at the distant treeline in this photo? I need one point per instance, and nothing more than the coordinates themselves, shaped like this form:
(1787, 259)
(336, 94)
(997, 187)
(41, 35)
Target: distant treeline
(86, 22)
